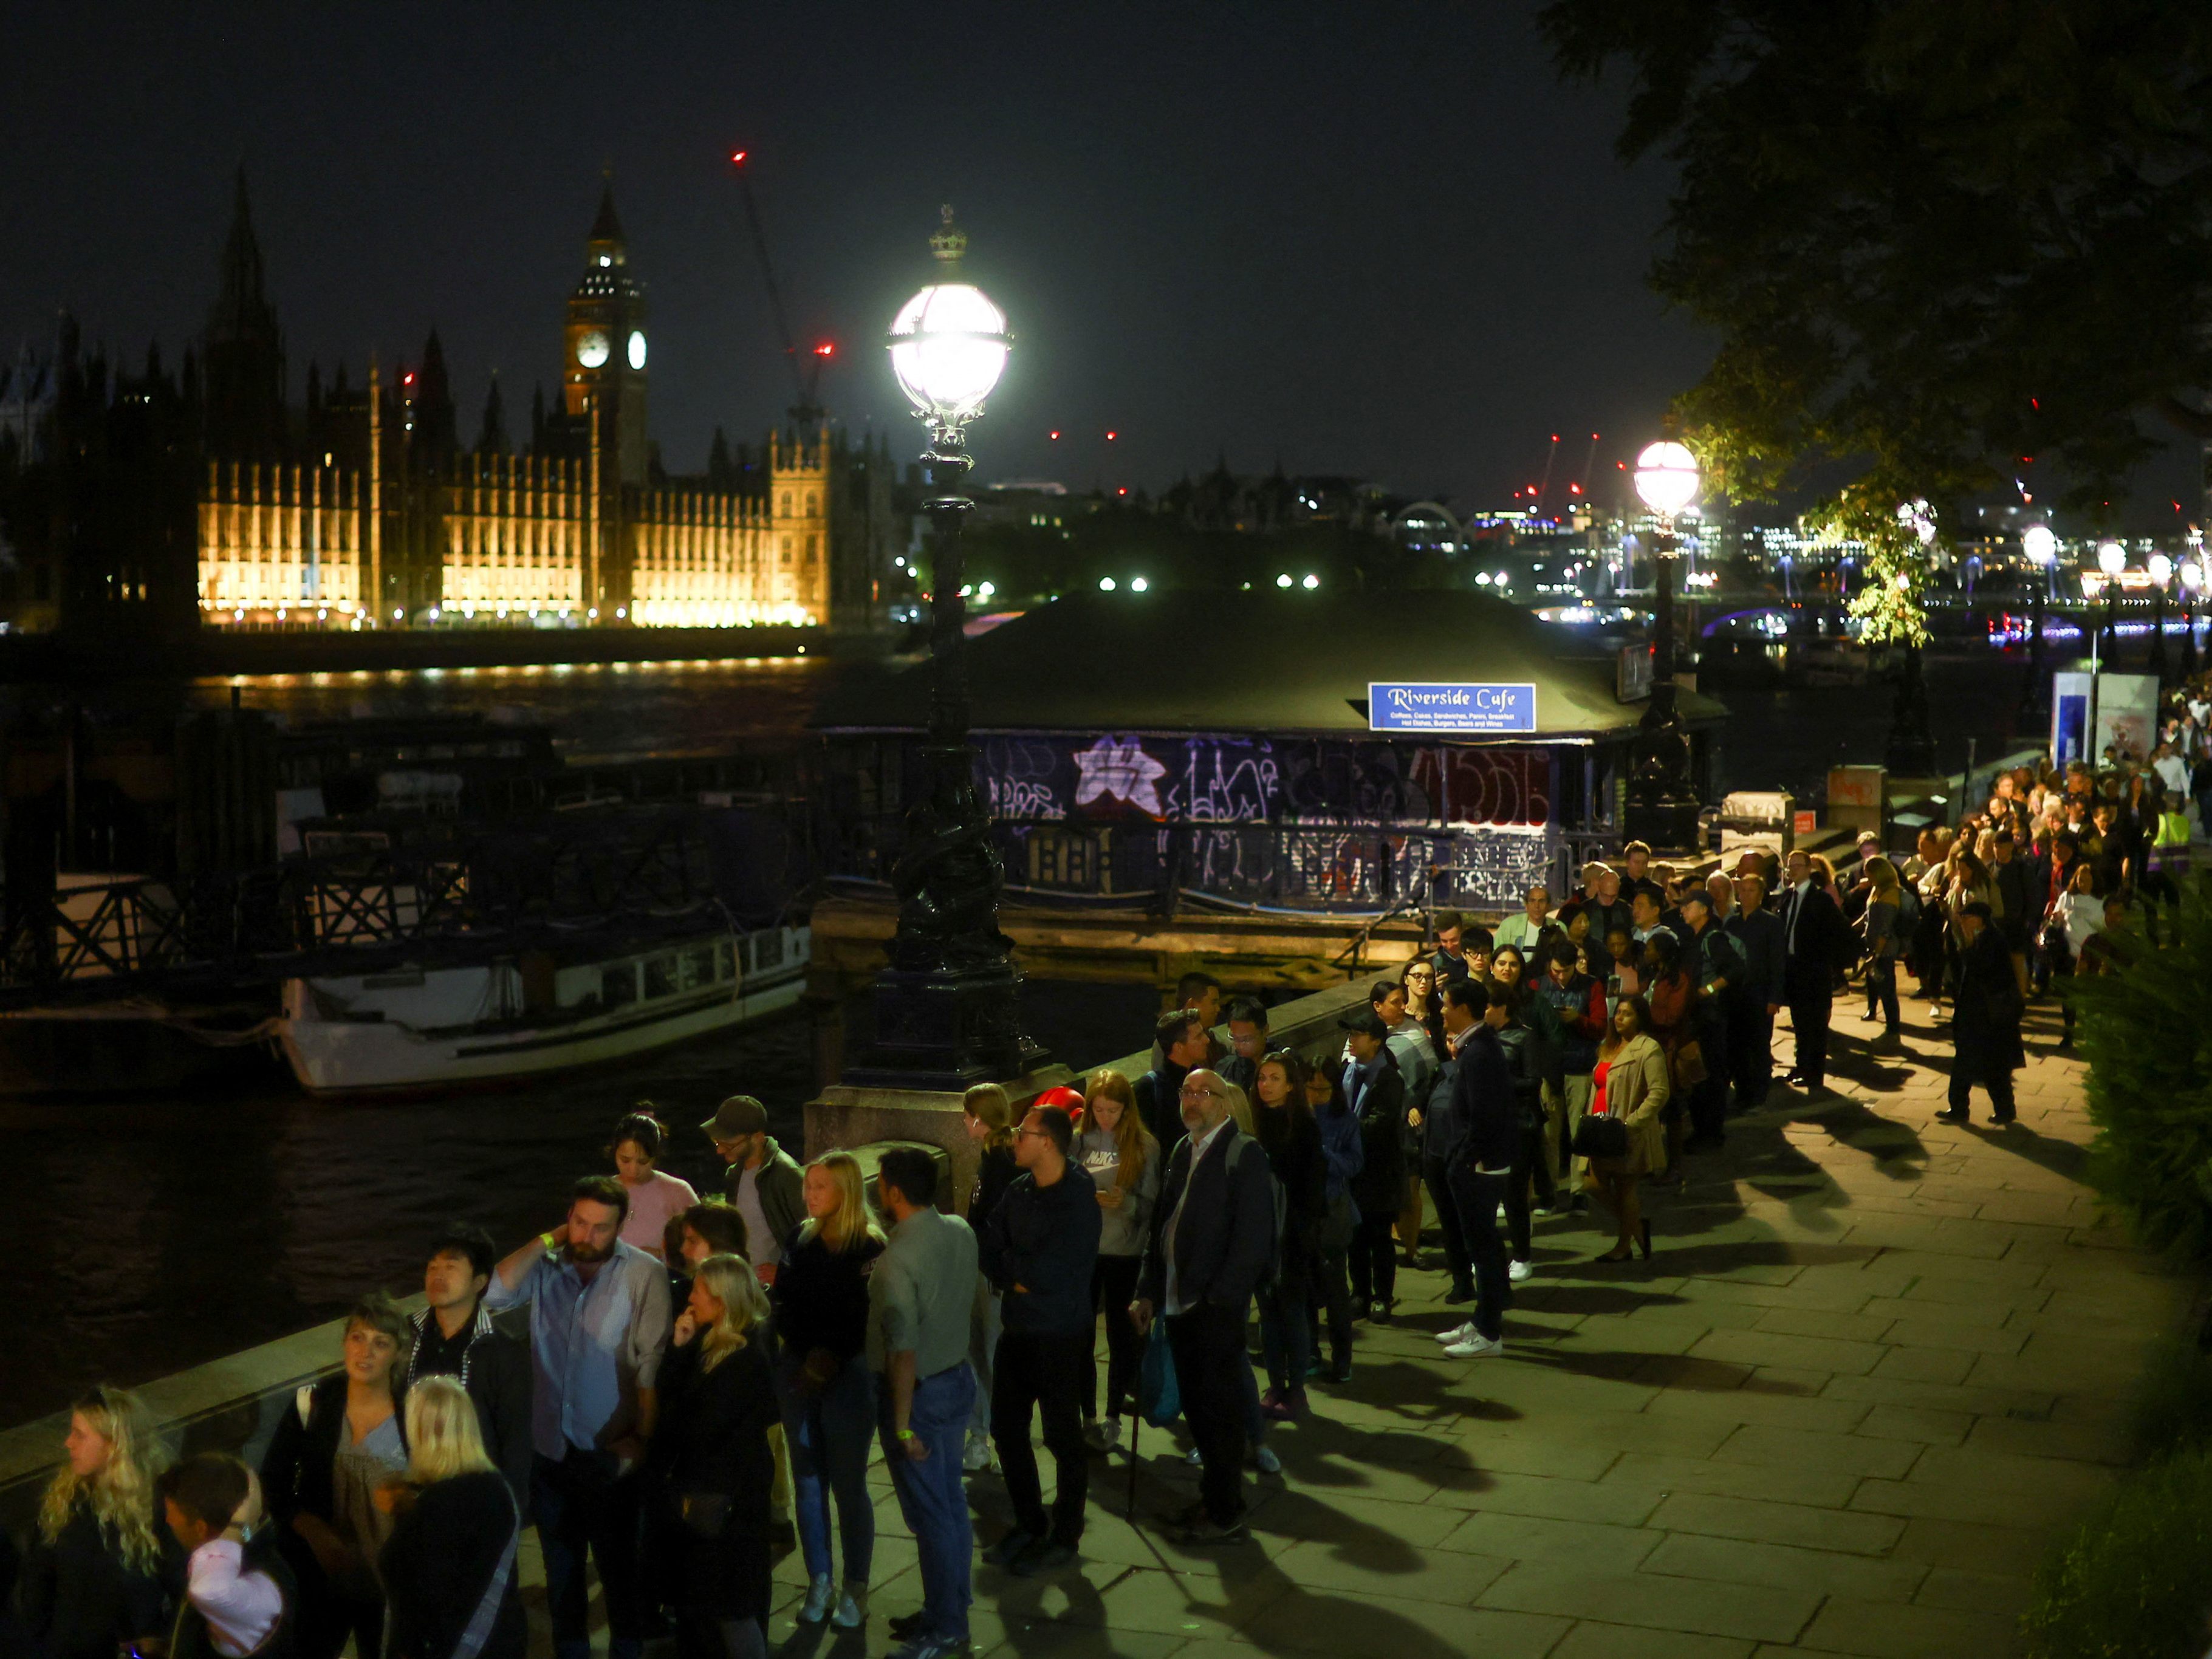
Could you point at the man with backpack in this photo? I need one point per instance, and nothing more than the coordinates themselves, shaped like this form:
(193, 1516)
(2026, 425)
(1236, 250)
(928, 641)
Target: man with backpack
(1213, 1241)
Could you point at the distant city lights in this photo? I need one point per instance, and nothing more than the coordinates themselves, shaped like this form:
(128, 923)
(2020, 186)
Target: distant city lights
(1105, 584)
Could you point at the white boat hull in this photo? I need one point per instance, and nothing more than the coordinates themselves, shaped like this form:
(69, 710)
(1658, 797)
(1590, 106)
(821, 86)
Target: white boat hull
(415, 1030)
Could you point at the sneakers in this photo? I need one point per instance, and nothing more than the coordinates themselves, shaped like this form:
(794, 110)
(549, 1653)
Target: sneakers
(1193, 1458)
(1207, 1530)
(934, 1647)
(1340, 1371)
(977, 1458)
(1953, 1117)
(1265, 1460)
(820, 1593)
(852, 1607)
(1102, 1434)
(1458, 1332)
(1475, 1346)
(1520, 1273)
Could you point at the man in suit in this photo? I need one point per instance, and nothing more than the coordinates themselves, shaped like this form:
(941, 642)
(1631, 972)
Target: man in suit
(1813, 938)
(1757, 931)
(1213, 1238)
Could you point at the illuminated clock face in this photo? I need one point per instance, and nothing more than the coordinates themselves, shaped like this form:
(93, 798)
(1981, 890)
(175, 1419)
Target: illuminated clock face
(637, 350)
(591, 349)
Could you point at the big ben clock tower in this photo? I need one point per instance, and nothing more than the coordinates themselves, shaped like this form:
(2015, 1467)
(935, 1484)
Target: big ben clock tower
(603, 373)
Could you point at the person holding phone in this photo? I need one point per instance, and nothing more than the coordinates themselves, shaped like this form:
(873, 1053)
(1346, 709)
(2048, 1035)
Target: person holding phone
(599, 1326)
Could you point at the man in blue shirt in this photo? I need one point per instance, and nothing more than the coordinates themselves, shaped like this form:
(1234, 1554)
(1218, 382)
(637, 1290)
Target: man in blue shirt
(599, 1325)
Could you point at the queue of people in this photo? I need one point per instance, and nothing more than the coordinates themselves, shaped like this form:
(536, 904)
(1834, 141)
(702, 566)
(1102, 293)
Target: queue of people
(672, 1372)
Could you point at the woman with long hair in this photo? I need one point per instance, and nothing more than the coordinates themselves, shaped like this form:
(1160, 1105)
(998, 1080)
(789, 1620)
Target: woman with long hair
(92, 1579)
(1508, 966)
(1969, 882)
(449, 1568)
(1124, 1162)
(1885, 905)
(1284, 1126)
(655, 1199)
(1670, 1000)
(342, 1438)
(2077, 918)
(1631, 1085)
(711, 1462)
(1343, 1157)
(988, 1116)
(823, 1385)
(1417, 978)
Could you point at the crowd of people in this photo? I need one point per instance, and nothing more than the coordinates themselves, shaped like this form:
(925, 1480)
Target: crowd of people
(674, 1375)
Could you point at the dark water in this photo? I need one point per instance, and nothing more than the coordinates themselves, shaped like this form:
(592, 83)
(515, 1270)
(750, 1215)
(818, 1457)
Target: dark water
(159, 1232)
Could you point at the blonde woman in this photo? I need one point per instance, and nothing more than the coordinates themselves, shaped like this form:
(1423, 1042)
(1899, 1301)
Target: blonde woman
(92, 1578)
(1123, 1161)
(824, 1385)
(712, 1465)
(989, 1115)
(1884, 939)
(449, 1566)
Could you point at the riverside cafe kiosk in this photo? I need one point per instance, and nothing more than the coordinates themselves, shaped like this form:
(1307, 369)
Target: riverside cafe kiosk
(1263, 751)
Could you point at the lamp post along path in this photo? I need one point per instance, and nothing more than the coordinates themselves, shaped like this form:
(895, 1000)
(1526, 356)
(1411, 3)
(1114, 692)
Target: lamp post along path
(947, 1007)
(1662, 804)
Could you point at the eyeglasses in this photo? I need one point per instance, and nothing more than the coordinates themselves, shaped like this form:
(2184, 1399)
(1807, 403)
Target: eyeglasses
(1026, 1130)
(1202, 1093)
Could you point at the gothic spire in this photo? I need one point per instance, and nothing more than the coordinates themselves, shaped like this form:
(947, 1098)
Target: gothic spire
(241, 309)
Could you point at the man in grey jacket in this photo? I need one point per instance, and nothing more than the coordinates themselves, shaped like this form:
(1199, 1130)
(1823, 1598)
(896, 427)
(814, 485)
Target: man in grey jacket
(766, 1183)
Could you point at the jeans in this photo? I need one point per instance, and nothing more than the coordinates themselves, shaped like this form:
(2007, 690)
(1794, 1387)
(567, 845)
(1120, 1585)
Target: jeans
(1882, 991)
(1113, 1288)
(1335, 1289)
(1211, 1372)
(1374, 1258)
(828, 1430)
(581, 1507)
(1285, 1340)
(933, 1497)
(1438, 1175)
(982, 1354)
(1044, 1371)
(1477, 1197)
(1529, 1166)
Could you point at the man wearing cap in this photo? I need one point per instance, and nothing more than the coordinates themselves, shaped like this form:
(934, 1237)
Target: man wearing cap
(1985, 1026)
(766, 1183)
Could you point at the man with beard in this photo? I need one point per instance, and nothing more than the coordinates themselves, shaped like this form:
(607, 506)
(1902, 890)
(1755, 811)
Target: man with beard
(599, 1325)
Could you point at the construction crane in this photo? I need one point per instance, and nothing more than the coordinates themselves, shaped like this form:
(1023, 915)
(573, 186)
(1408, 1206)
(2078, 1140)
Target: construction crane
(806, 366)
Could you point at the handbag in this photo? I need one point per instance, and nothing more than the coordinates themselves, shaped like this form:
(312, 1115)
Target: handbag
(704, 1514)
(1159, 1402)
(1689, 1063)
(1600, 1135)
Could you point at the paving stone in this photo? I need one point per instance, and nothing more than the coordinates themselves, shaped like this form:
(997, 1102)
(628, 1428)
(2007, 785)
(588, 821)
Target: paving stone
(1929, 1426)
(1348, 1624)
(1779, 1523)
(1754, 1612)
(1896, 1630)
(1919, 1364)
(1614, 1502)
(1860, 1327)
(2005, 1595)
(1592, 1640)
(1454, 1576)
(1532, 1538)
(1785, 1449)
(1767, 1348)
(1824, 1488)
(1741, 1561)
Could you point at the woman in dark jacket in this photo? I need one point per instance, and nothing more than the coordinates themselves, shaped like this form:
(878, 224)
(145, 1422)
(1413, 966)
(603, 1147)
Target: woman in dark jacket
(712, 1465)
(824, 1387)
(342, 1439)
(1283, 1124)
(449, 1569)
(1985, 1024)
(102, 1572)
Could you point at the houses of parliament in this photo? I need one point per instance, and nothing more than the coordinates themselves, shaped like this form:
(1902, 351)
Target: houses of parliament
(153, 503)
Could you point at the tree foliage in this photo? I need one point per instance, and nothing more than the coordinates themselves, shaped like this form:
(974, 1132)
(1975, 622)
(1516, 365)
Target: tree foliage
(1933, 236)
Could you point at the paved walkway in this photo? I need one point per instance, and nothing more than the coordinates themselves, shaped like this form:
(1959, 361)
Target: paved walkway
(1876, 1363)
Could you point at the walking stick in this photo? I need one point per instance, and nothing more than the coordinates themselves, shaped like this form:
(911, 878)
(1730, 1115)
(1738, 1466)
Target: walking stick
(1136, 1432)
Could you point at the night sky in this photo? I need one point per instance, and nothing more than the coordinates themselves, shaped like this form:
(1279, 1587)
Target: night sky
(1378, 239)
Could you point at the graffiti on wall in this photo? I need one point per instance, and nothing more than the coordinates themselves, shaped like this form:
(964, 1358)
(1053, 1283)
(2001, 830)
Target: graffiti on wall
(1236, 779)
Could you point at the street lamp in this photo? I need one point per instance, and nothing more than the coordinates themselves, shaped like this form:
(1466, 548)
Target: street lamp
(2111, 559)
(947, 1011)
(2192, 578)
(1662, 804)
(2162, 573)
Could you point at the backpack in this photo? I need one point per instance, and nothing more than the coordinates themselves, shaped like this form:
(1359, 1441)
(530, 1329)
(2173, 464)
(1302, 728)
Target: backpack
(1237, 1153)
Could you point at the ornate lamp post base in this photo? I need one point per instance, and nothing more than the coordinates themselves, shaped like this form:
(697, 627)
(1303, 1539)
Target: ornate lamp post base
(947, 1030)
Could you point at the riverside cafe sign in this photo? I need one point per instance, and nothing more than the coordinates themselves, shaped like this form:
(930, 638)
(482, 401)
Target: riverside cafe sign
(1432, 705)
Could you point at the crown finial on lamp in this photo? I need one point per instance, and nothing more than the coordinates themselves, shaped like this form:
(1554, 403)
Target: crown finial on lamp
(950, 242)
